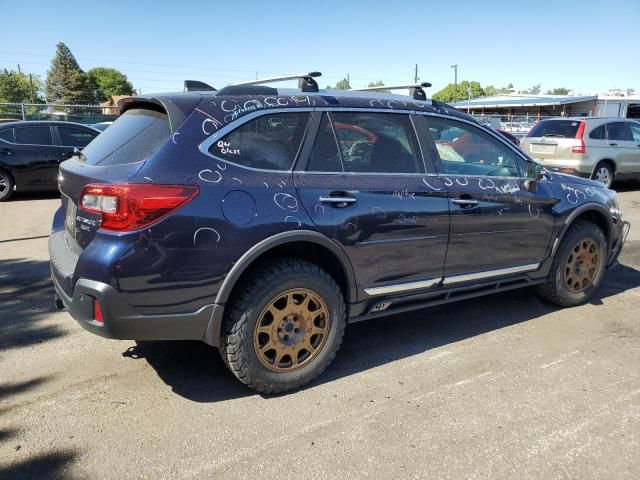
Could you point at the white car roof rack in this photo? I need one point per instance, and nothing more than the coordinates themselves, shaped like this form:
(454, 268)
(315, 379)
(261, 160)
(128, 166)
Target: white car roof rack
(415, 89)
(306, 81)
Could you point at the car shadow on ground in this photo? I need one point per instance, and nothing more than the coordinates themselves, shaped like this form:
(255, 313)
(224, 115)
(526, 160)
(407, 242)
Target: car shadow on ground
(18, 465)
(26, 298)
(195, 371)
(22, 196)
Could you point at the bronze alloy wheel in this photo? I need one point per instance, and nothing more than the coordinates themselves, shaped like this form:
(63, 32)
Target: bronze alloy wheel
(582, 265)
(291, 330)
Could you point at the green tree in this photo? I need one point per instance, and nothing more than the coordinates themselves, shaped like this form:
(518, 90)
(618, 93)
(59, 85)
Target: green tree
(18, 87)
(343, 85)
(109, 81)
(558, 91)
(379, 83)
(66, 82)
(455, 93)
(535, 90)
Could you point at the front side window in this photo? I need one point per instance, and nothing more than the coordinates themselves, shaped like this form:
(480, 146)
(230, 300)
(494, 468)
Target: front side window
(33, 135)
(366, 142)
(7, 135)
(76, 137)
(619, 131)
(467, 150)
(269, 142)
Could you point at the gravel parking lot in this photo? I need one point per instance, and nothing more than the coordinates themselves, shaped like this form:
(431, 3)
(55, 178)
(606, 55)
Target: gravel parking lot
(498, 387)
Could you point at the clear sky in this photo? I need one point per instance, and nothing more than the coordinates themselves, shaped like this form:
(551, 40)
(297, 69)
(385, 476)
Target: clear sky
(588, 46)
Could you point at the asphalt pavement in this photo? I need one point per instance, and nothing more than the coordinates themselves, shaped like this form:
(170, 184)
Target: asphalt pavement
(498, 387)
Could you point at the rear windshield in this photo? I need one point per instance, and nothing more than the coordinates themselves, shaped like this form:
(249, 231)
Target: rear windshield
(133, 137)
(555, 128)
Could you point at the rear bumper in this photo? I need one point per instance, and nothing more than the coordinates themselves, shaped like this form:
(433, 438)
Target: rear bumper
(578, 168)
(122, 321)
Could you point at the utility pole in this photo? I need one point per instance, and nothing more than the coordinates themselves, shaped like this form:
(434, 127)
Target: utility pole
(19, 71)
(31, 83)
(455, 73)
(348, 81)
(415, 75)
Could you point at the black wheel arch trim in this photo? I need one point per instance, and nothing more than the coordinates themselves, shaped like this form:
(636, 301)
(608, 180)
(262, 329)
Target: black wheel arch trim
(212, 334)
(591, 206)
(280, 239)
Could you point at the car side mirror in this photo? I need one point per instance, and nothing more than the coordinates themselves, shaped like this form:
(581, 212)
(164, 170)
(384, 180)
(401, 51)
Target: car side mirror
(533, 175)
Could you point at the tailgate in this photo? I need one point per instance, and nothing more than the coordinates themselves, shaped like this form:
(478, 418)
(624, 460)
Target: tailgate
(114, 156)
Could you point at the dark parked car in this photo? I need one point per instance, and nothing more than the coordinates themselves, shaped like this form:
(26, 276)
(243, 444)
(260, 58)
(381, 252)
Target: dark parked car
(30, 153)
(263, 220)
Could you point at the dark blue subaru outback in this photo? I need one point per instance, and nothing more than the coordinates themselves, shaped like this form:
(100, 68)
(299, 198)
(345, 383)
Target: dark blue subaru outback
(262, 221)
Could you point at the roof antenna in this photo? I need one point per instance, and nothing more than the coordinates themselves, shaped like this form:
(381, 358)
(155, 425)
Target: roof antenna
(197, 86)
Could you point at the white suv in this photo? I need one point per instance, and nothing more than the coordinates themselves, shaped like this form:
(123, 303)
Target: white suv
(597, 148)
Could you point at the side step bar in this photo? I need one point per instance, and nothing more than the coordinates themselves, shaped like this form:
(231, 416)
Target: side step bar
(404, 304)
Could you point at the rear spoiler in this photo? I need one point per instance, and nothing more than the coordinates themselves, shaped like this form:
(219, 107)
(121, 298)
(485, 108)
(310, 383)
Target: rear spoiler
(177, 107)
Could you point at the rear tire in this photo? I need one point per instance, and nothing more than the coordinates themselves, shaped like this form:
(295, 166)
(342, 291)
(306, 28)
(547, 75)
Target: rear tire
(577, 268)
(6, 185)
(603, 173)
(284, 327)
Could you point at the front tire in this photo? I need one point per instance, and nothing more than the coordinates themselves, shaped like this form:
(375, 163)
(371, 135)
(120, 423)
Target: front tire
(578, 266)
(6, 185)
(284, 327)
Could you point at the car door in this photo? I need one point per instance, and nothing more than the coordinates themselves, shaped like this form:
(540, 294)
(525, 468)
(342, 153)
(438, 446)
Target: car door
(71, 137)
(497, 224)
(362, 180)
(35, 157)
(622, 147)
(634, 147)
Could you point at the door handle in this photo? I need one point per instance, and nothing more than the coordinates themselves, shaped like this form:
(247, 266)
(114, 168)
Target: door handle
(613, 144)
(338, 200)
(6, 151)
(464, 202)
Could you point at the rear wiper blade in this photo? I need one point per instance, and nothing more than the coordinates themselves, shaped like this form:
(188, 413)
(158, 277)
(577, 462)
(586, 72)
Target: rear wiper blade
(557, 135)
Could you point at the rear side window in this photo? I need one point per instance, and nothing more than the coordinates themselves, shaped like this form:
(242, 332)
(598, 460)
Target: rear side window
(366, 142)
(7, 134)
(635, 131)
(598, 133)
(555, 128)
(269, 142)
(33, 135)
(619, 131)
(76, 137)
(134, 136)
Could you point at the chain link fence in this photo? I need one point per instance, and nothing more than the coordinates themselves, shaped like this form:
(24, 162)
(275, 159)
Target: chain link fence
(86, 114)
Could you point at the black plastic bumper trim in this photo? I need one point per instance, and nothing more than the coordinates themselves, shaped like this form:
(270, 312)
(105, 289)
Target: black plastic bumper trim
(121, 321)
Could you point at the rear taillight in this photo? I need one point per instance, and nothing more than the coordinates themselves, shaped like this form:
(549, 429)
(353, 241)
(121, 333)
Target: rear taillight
(581, 147)
(97, 311)
(133, 206)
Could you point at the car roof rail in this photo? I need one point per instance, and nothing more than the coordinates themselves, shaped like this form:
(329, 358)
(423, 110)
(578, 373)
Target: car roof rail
(197, 86)
(306, 81)
(415, 89)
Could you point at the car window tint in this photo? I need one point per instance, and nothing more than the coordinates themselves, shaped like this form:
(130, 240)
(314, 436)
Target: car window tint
(467, 150)
(268, 142)
(598, 133)
(7, 134)
(635, 131)
(33, 135)
(134, 136)
(76, 137)
(555, 128)
(325, 156)
(376, 142)
(618, 131)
